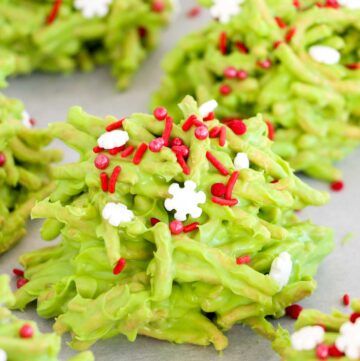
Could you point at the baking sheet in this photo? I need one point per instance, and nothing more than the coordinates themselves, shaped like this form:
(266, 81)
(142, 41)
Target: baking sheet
(47, 98)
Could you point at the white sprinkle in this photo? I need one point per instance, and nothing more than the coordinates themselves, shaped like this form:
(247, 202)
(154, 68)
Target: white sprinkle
(241, 161)
(3, 355)
(281, 268)
(224, 10)
(113, 139)
(351, 4)
(324, 54)
(93, 8)
(26, 119)
(185, 200)
(307, 338)
(117, 213)
(349, 339)
(208, 107)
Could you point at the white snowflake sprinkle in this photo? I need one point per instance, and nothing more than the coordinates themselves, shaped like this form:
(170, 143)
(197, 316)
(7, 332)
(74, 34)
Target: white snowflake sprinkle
(224, 10)
(117, 213)
(241, 161)
(351, 4)
(207, 108)
(113, 139)
(349, 339)
(185, 200)
(281, 268)
(26, 119)
(3, 355)
(307, 338)
(324, 54)
(93, 8)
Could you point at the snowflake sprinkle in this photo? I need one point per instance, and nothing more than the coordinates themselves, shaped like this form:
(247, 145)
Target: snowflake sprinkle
(93, 8)
(307, 338)
(351, 4)
(349, 339)
(224, 10)
(281, 269)
(185, 200)
(113, 139)
(117, 213)
(325, 54)
(208, 107)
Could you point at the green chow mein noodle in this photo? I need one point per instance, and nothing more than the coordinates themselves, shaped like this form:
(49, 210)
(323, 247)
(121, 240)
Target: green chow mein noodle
(319, 336)
(24, 169)
(170, 232)
(63, 35)
(21, 340)
(295, 62)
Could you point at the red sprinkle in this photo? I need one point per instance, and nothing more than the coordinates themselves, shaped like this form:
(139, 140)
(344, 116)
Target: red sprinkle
(277, 44)
(104, 180)
(191, 227)
(119, 267)
(143, 32)
(280, 22)
(334, 351)
(128, 151)
(21, 282)
(182, 150)
(18, 272)
(290, 34)
(241, 47)
(346, 300)
(231, 184)
(160, 113)
(222, 138)
(271, 130)
(158, 6)
(156, 145)
(2, 159)
(214, 132)
(265, 64)
(54, 12)
(225, 89)
(242, 74)
(115, 125)
(201, 132)
(167, 130)
(97, 149)
(237, 126)
(101, 161)
(177, 142)
(210, 116)
(154, 221)
(116, 150)
(113, 179)
(225, 202)
(296, 3)
(243, 260)
(26, 331)
(354, 316)
(194, 12)
(354, 66)
(176, 227)
(189, 122)
(183, 163)
(322, 351)
(218, 189)
(332, 4)
(230, 72)
(337, 186)
(140, 151)
(223, 43)
(293, 311)
(216, 163)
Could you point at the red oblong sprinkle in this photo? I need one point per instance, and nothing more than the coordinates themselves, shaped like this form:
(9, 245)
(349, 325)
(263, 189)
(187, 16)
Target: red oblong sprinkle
(21, 282)
(97, 149)
(241, 47)
(224, 202)
(322, 351)
(243, 260)
(354, 316)
(334, 351)
(194, 11)
(222, 138)
(210, 116)
(218, 189)
(337, 186)
(119, 267)
(191, 227)
(116, 125)
(216, 163)
(271, 130)
(127, 151)
(183, 163)
(104, 180)
(140, 153)
(26, 331)
(54, 12)
(116, 150)
(346, 300)
(189, 122)
(354, 66)
(167, 130)
(293, 311)
(296, 3)
(231, 184)
(280, 22)
(214, 132)
(113, 179)
(277, 44)
(18, 272)
(154, 221)
(237, 126)
(223, 42)
(290, 34)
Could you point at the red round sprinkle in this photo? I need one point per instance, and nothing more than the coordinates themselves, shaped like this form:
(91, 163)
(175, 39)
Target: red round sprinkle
(2, 159)
(231, 184)
(26, 331)
(296, 3)
(243, 260)
(222, 136)
(293, 311)
(127, 151)
(216, 163)
(334, 351)
(237, 126)
(156, 145)
(225, 202)
(194, 11)
(354, 316)
(101, 161)
(223, 43)
(142, 148)
(183, 163)
(18, 272)
(225, 89)
(218, 189)
(97, 149)
(277, 44)
(160, 113)
(280, 22)
(116, 125)
(346, 300)
(182, 150)
(176, 227)
(210, 116)
(265, 64)
(177, 142)
(21, 282)
(113, 179)
(241, 47)
(230, 72)
(158, 6)
(120, 265)
(322, 351)
(54, 12)
(191, 227)
(290, 34)
(201, 132)
(337, 186)
(104, 180)
(154, 221)
(271, 130)
(242, 74)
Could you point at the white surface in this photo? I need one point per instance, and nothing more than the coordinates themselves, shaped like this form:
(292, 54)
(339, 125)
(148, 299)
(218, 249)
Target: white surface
(47, 99)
